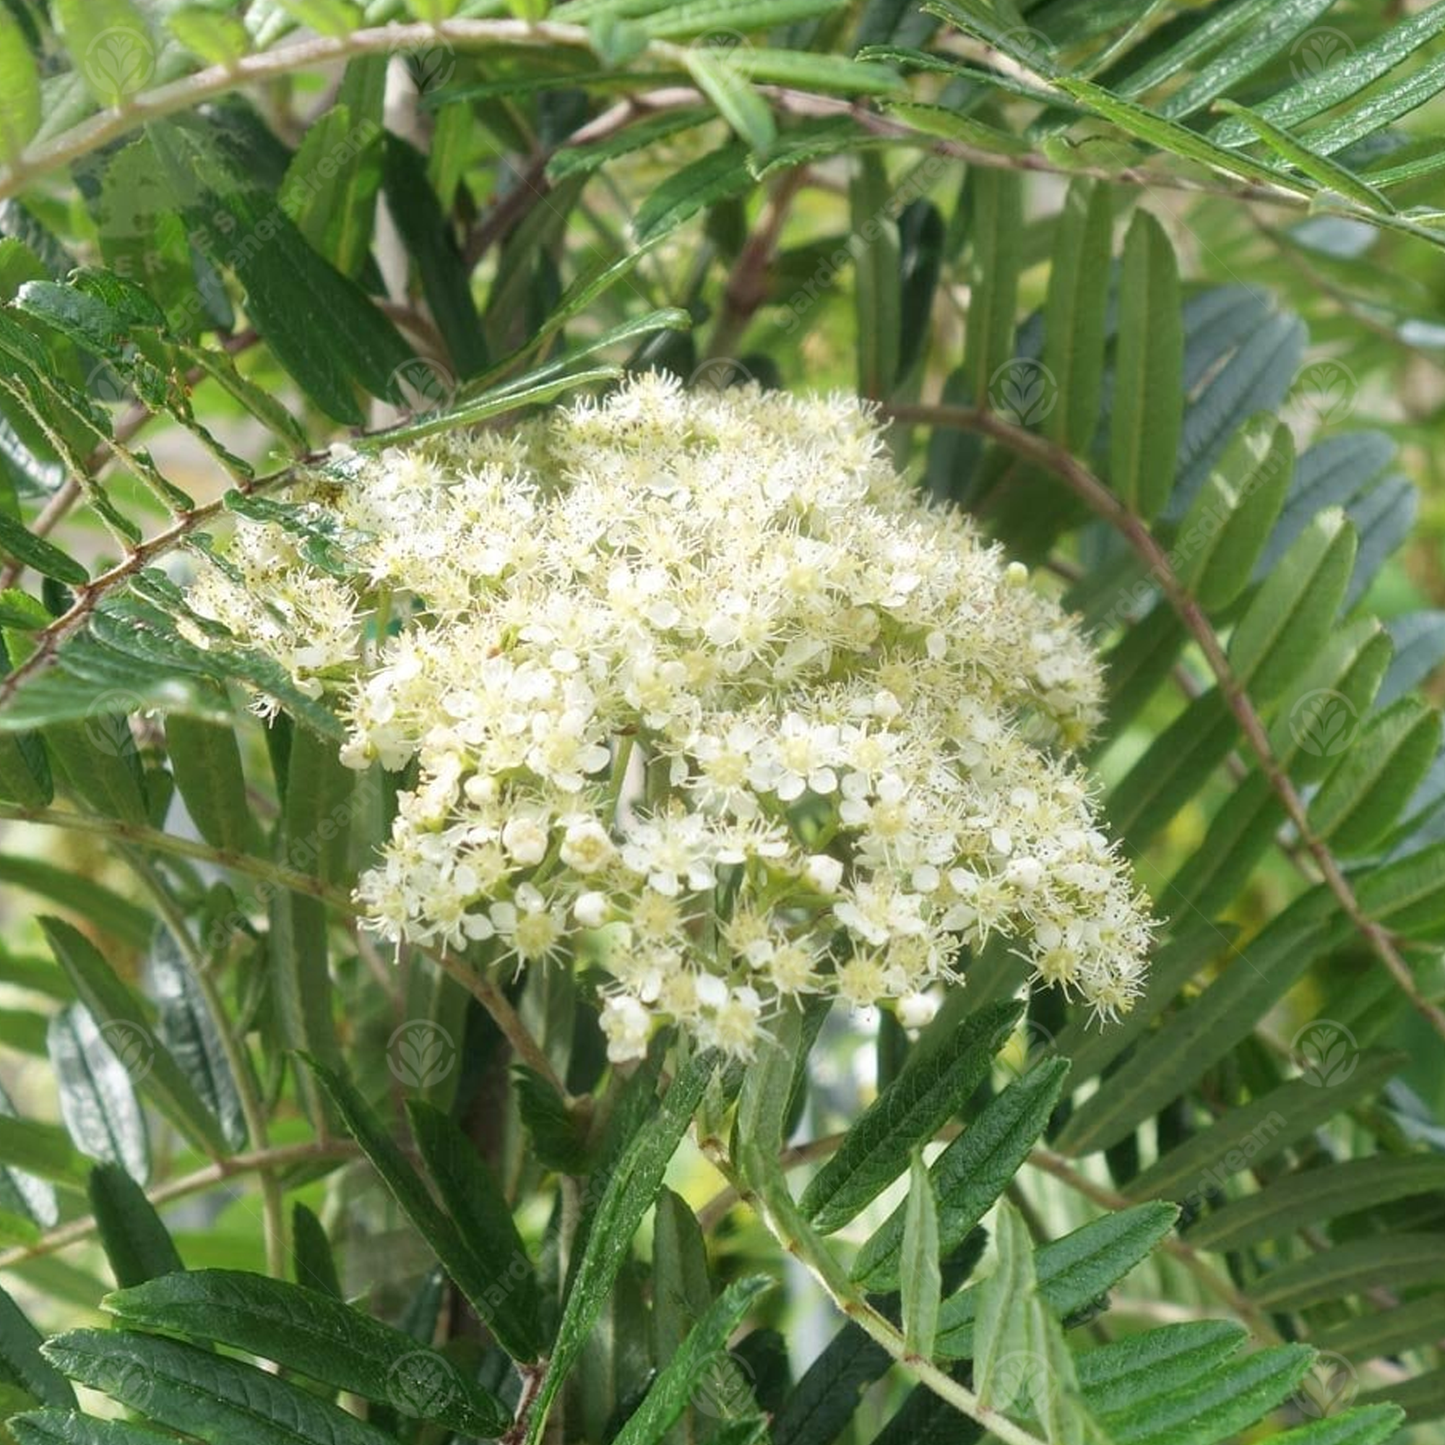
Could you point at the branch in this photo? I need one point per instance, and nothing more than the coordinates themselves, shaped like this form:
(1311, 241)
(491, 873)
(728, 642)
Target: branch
(1085, 485)
(75, 1230)
(779, 1216)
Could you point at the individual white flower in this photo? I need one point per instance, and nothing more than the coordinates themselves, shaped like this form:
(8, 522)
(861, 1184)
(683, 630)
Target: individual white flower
(916, 1010)
(586, 848)
(525, 839)
(628, 1026)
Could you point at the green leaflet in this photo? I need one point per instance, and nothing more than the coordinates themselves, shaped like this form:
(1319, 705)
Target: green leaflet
(472, 1197)
(737, 102)
(700, 183)
(1359, 801)
(24, 1195)
(112, 45)
(136, 1243)
(802, 70)
(206, 763)
(218, 38)
(315, 822)
(1173, 768)
(877, 297)
(1384, 1331)
(316, 1336)
(19, 89)
(445, 281)
(97, 1100)
(1294, 610)
(585, 159)
(129, 1034)
(1258, 1131)
(906, 1114)
(217, 1399)
(331, 183)
(1369, 1425)
(676, 1387)
(681, 1286)
(971, 1173)
(1310, 1195)
(1167, 1062)
(475, 1275)
(1005, 1302)
(45, 557)
(55, 1427)
(191, 1034)
(1338, 72)
(995, 220)
(1071, 1271)
(21, 1361)
(1147, 418)
(1393, 1261)
(1226, 527)
(921, 1280)
(629, 1192)
(1312, 159)
(820, 1405)
(1215, 1404)
(1128, 1372)
(1074, 313)
(1169, 136)
(311, 1258)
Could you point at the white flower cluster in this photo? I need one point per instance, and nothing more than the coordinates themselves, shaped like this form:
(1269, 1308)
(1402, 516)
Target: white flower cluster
(699, 692)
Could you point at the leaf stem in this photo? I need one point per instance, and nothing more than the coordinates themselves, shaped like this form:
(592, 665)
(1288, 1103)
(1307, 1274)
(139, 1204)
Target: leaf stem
(218, 1172)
